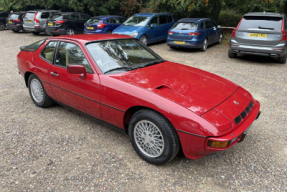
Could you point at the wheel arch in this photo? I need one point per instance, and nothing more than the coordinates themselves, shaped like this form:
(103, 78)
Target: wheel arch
(26, 77)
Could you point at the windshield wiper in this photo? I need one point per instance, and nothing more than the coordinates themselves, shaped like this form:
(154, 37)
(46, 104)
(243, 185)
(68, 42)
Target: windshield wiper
(118, 68)
(266, 28)
(150, 63)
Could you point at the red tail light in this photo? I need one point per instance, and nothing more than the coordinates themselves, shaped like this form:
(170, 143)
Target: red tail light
(35, 19)
(60, 22)
(24, 15)
(234, 30)
(194, 34)
(16, 21)
(101, 25)
(170, 32)
(284, 33)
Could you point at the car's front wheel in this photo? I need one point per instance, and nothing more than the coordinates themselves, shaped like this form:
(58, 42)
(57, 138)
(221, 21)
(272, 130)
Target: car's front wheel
(70, 31)
(2, 26)
(153, 137)
(38, 93)
(282, 59)
(144, 39)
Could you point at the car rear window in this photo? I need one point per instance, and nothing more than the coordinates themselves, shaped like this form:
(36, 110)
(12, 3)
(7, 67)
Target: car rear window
(59, 17)
(30, 15)
(33, 46)
(94, 20)
(14, 17)
(185, 26)
(261, 22)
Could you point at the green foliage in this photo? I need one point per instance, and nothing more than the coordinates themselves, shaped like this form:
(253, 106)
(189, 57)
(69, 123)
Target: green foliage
(229, 19)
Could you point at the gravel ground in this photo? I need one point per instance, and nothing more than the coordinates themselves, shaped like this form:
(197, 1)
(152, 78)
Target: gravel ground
(57, 149)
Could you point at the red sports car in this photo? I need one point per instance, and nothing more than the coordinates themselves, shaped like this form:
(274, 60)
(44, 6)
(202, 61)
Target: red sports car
(162, 106)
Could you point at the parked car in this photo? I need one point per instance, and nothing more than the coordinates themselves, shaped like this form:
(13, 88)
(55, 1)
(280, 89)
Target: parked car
(194, 33)
(15, 21)
(35, 21)
(3, 17)
(103, 24)
(67, 23)
(260, 33)
(162, 105)
(147, 27)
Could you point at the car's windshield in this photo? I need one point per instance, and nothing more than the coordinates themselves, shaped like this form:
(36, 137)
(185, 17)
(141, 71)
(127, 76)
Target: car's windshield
(185, 26)
(122, 54)
(137, 21)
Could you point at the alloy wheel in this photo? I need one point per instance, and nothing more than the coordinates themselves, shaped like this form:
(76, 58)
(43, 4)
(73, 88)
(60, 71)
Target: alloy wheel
(37, 91)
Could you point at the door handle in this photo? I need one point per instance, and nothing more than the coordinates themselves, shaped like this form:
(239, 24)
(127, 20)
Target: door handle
(54, 74)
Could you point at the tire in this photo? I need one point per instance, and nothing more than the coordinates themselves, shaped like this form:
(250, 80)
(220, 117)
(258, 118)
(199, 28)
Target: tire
(2, 26)
(38, 93)
(109, 32)
(70, 31)
(144, 39)
(15, 31)
(231, 55)
(204, 45)
(35, 33)
(165, 134)
(24, 31)
(220, 39)
(282, 59)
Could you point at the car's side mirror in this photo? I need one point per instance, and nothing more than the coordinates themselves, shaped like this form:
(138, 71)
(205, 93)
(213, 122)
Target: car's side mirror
(77, 69)
(151, 25)
(218, 26)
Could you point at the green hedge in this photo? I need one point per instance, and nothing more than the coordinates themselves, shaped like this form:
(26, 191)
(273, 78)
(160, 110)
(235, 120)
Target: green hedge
(228, 19)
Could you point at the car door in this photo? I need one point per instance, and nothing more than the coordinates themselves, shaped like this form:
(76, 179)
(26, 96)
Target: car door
(84, 19)
(76, 22)
(152, 32)
(164, 27)
(72, 89)
(210, 32)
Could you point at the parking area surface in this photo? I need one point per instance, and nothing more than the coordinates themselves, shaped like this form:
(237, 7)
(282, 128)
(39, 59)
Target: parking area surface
(57, 149)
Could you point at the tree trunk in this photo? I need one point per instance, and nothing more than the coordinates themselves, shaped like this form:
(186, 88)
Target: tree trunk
(214, 9)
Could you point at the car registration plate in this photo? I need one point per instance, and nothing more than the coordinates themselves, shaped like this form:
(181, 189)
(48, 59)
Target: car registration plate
(179, 42)
(90, 27)
(28, 21)
(50, 24)
(10, 21)
(257, 35)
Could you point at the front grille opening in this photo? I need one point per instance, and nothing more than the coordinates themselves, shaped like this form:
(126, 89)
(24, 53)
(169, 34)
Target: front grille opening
(237, 120)
(248, 109)
(251, 104)
(243, 114)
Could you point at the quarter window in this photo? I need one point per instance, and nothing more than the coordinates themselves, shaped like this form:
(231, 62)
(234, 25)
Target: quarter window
(71, 54)
(48, 51)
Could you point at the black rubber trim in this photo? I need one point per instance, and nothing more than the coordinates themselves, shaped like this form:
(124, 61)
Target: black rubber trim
(191, 133)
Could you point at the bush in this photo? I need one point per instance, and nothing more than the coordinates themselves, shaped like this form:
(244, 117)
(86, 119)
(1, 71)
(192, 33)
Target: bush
(228, 19)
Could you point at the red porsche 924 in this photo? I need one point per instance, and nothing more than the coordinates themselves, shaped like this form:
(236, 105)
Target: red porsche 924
(162, 106)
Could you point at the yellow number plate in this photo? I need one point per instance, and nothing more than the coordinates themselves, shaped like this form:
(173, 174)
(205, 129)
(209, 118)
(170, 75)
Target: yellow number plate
(257, 35)
(90, 27)
(50, 24)
(179, 42)
(28, 21)
(10, 21)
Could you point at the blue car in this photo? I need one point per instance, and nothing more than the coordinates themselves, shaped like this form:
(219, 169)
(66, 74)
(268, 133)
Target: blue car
(103, 24)
(194, 33)
(147, 27)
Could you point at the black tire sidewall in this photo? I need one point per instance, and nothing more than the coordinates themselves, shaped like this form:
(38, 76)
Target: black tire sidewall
(71, 30)
(162, 125)
(2, 26)
(143, 36)
(45, 96)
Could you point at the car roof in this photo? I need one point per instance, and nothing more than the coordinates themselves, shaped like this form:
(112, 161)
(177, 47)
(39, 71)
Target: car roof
(193, 19)
(106, 16)
(270, 14)
(151, 14)
(85, 38)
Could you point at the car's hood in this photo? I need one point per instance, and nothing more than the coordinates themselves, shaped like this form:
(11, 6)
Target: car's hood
(126, 29)
(192, 88)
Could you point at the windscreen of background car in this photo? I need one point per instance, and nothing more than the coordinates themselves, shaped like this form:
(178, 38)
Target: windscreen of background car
(94, 20)
(137, 21)
(120, 53)
(185, 26)
(260, 22)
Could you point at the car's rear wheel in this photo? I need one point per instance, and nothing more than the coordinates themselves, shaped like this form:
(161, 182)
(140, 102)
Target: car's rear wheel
(231, 54)
(144, 39)
(282, 59)
(15, 31)
(204, 45)
(70, 31)
(153, 137)
(109, 32)
(38, 93)
(2, 26)
(35, 33)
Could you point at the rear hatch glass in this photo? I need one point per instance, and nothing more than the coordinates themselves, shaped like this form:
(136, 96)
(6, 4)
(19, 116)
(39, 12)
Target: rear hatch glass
(57, 17)
(92, 24)
(185, 26)
(14, 17)
(94, 20)
(29, 19)
(181, 30)
(260, 30)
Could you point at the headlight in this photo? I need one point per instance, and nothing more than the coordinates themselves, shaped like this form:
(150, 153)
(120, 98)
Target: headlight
(134, 34)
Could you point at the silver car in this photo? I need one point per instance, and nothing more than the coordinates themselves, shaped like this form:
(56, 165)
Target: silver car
(35, 21)
(260, 33)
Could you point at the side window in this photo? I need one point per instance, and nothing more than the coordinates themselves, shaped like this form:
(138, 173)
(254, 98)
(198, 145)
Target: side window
(45, 15)
(48, 51)
(202, 25)
(71, 54)
(207, 24)
(116, 20)
(213, 24)
(75, 16)
(154, 21)
(85, 17)
(123, 20)
(162, 19)
(108, 21)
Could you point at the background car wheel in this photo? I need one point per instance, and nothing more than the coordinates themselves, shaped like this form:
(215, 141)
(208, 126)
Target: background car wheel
(24, 31)
(38, 93)
(15, 31)
(204, 45)
(231, 55)
(282, 60)
(144, 39)
(220, 39)
(153, 137)
(70, 31)
(35, 33)
(108, 32)
(2, 26)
